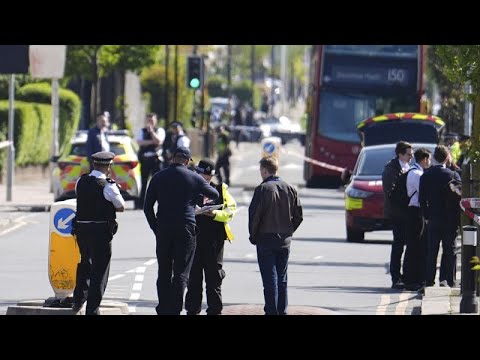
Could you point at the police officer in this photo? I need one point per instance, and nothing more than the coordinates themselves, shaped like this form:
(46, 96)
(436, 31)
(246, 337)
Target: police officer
(98, 200)
(213, 231)
(175, 189)
(150, 139)
(97, 139)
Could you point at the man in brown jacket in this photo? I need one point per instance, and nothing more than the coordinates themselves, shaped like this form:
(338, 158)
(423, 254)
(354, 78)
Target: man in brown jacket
(274, 214)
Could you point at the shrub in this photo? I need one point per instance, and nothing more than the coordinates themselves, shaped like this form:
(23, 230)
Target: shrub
(69, 113)
(32, 132)
(217, 87)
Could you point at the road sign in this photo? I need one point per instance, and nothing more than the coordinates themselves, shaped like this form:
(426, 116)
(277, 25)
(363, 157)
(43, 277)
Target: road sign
(64, 254)
(271, 146)
(14, 59)
(63, 220)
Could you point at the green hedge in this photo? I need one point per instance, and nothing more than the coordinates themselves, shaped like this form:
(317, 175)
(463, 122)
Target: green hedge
(70, 106)
(32, 132)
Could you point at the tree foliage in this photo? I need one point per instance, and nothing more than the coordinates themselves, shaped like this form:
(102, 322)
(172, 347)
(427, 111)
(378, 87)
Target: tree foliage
(460, 63)
(451, 93)
(81, 59)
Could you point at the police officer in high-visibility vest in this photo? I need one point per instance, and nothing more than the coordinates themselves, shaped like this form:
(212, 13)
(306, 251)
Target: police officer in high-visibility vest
(98, 200)
(213, 231)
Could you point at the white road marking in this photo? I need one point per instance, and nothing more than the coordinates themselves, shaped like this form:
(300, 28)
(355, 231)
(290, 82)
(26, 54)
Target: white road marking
(18, 223)
(115, 277)
(318, 257)
(139, 278)
(292, 166)
(150, 262)
(382, 308)
(402, 304)
(240, 208)
(140, 269)
(137, 287)
(134, 296)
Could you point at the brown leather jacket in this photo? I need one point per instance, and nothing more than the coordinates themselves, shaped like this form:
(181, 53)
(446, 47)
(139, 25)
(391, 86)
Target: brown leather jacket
(275, 209)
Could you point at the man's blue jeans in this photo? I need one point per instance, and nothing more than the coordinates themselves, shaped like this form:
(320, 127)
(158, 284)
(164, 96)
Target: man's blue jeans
(273, 263)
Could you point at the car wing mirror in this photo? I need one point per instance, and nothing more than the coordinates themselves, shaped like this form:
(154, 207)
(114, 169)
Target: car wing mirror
(54, 158)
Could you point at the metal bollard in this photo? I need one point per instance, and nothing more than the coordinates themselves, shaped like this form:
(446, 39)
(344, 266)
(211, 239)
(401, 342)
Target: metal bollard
(469, 302)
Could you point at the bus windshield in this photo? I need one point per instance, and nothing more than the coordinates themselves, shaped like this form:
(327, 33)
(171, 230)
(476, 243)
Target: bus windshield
(340, 112)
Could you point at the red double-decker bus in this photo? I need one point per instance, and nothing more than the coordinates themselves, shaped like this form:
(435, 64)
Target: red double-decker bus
(349, 83)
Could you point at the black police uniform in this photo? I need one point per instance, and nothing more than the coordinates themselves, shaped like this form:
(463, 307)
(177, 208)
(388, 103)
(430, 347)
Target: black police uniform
(149, 161)
(209, 259)
(175, 190)
(94, 227)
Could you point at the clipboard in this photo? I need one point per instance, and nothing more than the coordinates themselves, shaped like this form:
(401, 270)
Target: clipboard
(200, 210)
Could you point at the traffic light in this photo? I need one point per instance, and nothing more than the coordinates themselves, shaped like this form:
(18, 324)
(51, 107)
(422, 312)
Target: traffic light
(195, 72)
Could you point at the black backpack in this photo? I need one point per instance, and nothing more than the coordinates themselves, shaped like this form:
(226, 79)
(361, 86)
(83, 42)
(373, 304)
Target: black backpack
(398, 195)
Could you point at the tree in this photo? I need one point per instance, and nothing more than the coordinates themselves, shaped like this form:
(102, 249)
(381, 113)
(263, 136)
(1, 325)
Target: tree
(460, 63)
(94, 62)
(451, 93)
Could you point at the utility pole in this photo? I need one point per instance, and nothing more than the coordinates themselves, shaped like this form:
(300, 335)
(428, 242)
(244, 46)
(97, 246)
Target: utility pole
(272, 76)
(229, 70)
(252, 70)
(11, 148)
(468, 116)
(175, 99)
(283, 66)
(167, 55)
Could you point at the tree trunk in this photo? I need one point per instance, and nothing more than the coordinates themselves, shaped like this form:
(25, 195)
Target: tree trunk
(93, 100)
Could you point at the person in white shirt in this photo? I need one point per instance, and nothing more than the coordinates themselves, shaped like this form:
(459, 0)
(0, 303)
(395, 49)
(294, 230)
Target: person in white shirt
(150, 139)
(414, 265)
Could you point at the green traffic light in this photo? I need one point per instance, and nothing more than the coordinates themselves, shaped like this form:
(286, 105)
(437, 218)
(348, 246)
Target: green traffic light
(195, 83)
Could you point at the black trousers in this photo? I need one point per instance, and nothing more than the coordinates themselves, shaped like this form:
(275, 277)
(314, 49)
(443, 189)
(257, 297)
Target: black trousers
(148, 167)
(94, 242)
(175, 251)
(439, 230)
(415, 261)
(398, 245)
(209, 260)
(223, 162)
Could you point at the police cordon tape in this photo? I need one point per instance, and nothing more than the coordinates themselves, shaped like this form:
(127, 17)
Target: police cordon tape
(471, 203)
(313, 161)
(4, 144)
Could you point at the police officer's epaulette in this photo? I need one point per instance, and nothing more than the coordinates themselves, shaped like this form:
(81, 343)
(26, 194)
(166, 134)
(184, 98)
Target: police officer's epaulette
(111, 181)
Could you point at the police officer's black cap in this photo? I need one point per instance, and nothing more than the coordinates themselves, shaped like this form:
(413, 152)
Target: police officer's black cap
(206, 166)
(103, 157)
(176, 124)
(184, 152)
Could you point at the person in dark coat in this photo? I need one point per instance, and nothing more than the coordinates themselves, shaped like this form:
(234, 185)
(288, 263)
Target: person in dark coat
(441, 224)
(213, 231)
(394, 168)
(175, 190)
(98, 200)
(97, 137)
(274, 215)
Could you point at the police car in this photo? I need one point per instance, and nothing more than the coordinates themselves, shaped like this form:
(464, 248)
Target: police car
(125, 169)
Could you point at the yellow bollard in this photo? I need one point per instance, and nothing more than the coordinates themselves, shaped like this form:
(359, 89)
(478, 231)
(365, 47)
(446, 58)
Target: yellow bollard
(64, 254)
(271, 146)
